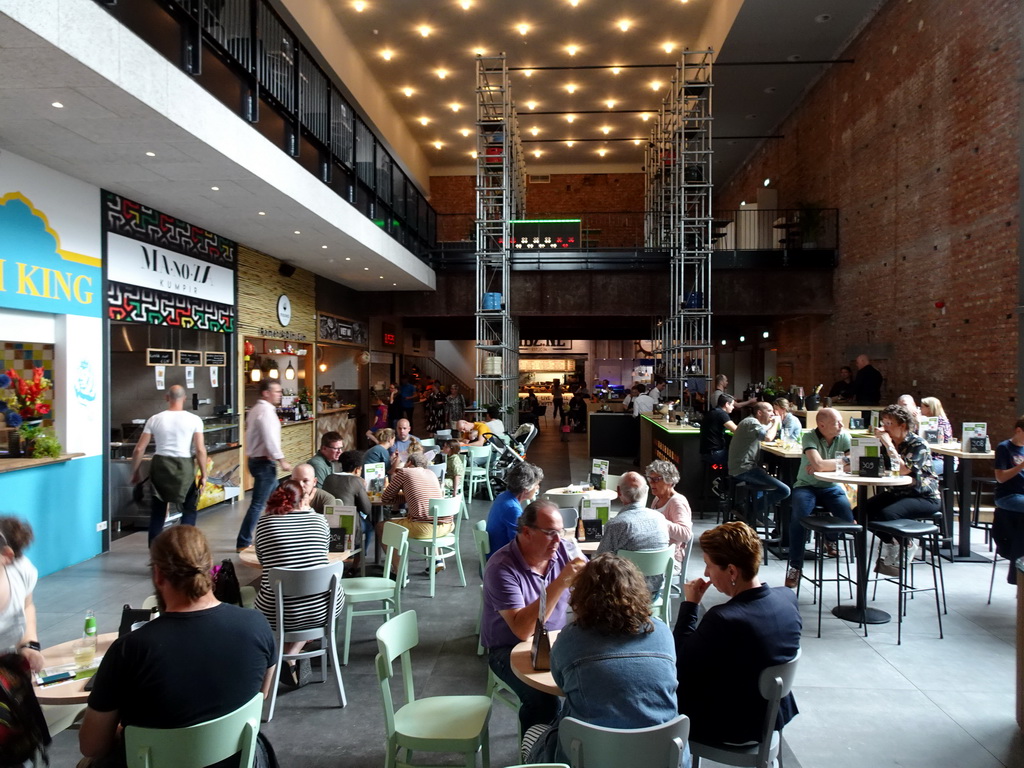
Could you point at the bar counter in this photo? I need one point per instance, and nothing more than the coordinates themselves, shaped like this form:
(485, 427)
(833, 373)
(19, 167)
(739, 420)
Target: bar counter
(663, 439)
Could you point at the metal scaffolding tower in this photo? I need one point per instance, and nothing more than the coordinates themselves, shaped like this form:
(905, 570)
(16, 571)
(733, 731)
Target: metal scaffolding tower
(678, 167)
(500, 196)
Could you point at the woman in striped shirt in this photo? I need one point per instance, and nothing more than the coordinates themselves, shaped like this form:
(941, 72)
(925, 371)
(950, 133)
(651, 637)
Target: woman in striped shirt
(290, 537)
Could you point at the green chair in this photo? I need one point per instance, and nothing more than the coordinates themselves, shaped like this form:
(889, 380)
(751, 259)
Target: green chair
(428, 442)
(197, 745)
(442, 547)
(774, 683)
(593, 746)
(655, 562)
(435, 724)
(379, 589)
(478, 469)
(307, 582)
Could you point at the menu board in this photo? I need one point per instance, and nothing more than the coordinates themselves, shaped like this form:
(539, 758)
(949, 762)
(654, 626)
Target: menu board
(190, 357)
(215, 358)
(159, 357)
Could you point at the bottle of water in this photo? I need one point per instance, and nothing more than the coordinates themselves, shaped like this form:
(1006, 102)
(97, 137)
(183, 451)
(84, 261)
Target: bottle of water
(85, 649)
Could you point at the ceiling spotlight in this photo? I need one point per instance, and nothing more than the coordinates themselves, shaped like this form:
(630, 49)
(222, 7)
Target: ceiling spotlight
(261, 213)
(359, 6)
(571, 87)
(537, 153)
(764, 335)
(442, 73)
(57, 105)
(479, 51)
(424, 120)
(637, 142)
(668, 47)
(466, 4)
(464, 131)
(610, 103)
(523, 28)
(366, 269)
(527, 73)
(394, 283)
(382, 277)
(408, 91)
(624, 25)
(151, 154)
(455, 106)
(742, 339)
(215, 189)
(602, 152)
(645, 116)
(616, 70)
(386, 54)
(767, 182)
(424, 30)
(569, 143)
(723, 342)
(473, 154)
(348, 258)
(298, 232)
(531, 105)
(606, 129)
(571, 49)
(535, 130)
(438, 145)
(574, 3)
(570, 118)
(324, 247)
(655, 85)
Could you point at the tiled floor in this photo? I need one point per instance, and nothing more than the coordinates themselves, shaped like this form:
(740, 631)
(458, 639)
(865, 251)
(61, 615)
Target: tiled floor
(863, 701)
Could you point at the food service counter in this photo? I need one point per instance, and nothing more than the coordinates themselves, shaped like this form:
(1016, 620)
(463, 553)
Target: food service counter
(663, 439)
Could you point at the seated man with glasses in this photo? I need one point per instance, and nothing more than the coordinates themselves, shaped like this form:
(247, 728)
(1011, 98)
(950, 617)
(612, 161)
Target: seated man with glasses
(331, 446)
(535, 559)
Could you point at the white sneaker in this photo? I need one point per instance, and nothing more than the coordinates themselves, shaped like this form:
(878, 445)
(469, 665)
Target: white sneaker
(890, 554)
(912, 549)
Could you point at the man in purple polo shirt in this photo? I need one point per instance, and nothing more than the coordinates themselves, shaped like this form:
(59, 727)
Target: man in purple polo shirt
(535, 559)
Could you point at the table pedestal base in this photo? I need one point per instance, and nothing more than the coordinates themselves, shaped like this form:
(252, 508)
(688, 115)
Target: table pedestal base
(861, 615)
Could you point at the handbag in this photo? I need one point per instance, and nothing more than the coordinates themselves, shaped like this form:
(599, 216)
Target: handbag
(540, 653)
(225, 583)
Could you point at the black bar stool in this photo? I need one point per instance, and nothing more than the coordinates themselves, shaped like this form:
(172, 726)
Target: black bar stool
(822, 526)
(928, 533)
(743, 507)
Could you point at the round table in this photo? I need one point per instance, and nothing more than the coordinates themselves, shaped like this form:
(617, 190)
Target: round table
(860, 613)
(248, 556)
(522, 667)
(62, 655)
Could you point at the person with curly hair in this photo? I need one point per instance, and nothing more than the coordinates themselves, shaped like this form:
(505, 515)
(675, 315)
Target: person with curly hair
(615, 663)
(721, 658)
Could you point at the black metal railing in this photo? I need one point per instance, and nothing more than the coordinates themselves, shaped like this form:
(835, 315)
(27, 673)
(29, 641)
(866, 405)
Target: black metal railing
(274, 69)
(783, 229)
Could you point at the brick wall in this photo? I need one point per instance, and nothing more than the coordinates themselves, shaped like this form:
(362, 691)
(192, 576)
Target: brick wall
(916, 144)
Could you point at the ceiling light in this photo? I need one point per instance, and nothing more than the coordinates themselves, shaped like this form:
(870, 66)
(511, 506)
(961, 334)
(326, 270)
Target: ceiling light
(323, 367)
(523, 28)
(571, 87)
(455, 106)
(324, 247)
(366, 269)
(297, 232)
(442, 73)
(348, 258)
(569, 143)
(386, 54)
(466, 4)
(464, 131)
(767, 182)
(527, 73)
(424, 120)
(359, 5)
(624, 25)
(479, 51)
(570, 118)
(637, 142)
(610, 103)
(723, 342)
(536, 153)
(616, 70)
(684, 2)
(262, 213)
(574, 3)
(473, 154)
(215, 189)
(394, 283)
(289, 372)
(668, 47)
(571, 49)
(743, 338)
(602, 152)
(438, 145)
(535, 130)
(424, 30)
(531, 105)
(655, 85)
(408, 91)
(606, 129)
(764, 335)
(57, 105)
(645, 116)
(382, 277)
(743, 202)
(151, 154)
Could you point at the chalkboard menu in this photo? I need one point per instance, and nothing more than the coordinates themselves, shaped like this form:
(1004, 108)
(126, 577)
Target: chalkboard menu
(338, 329)
(159, 357)
(216, 358)
(189, 357)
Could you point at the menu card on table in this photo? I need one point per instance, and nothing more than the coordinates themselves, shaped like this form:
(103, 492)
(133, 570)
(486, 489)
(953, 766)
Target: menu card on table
(342, 521)
(928, 428)
(865, 455)
(595, 509)
(599, 473)
(975, 434)
(375, 476)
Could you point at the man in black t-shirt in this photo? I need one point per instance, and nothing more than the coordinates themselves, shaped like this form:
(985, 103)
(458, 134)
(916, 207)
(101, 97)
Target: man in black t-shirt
(867, 387)
(712, 430)
(199, 660)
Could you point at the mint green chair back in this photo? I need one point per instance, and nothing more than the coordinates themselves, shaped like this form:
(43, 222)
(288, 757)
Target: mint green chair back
(384, 590)
(592, 746)
(483, 548)
(478, 469)
(428, 442)
(197, 745)
(655, 562)
(444, 546)
(435, 724)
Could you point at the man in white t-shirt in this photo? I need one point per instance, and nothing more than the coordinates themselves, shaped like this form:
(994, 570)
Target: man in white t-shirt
(180, 452)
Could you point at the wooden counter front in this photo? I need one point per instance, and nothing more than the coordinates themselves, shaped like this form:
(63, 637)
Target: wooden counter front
(680, 445)
(10, 465)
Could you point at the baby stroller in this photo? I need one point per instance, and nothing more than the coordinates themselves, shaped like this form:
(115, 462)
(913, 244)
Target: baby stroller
(511, 449)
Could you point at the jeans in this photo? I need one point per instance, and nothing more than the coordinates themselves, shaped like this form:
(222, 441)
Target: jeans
(888, 506)
(537, 708)
(831, 497)
(264, 479)
(773, 490)
(1013, 503)
(158, 512)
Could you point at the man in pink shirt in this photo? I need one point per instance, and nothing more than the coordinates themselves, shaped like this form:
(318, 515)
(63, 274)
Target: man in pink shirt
(263, 448)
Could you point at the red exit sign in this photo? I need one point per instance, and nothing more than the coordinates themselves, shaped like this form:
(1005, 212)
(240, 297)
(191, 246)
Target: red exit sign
(389, 339)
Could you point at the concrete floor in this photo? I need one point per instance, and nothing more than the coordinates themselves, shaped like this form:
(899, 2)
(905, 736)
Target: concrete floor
(863, 701)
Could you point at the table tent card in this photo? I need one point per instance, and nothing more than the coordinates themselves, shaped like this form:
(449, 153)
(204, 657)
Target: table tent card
(865, 455)
(599, 474)
(375, 476)
(343, 522)
(928, 428)
(975, 434)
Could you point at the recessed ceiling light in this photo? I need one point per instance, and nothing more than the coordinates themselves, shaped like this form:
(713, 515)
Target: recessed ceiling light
(535, 130)
(151, 154)
(655, 85)
(394, 283)
(602, 152)
(479, 51)
(570, 118)
(572, 49)
(531, 105)
(606, 129)
(537, 153)
(297, 232)
(616, 70)
(574, 3)
(571, 87)
(348, 258)
(624, 25)
(57, 105)
(215, 189)
(527, 73)
(387, 54)
(569, 143)
(645, 116)
(466, 4)
(473, 154)
(523, 28)
(455, 106)
(668, 47)
(610, 103)
(743, 202)
(366, 269)
(464, 131)
(767, 182)
(442, 73)
(262, 213)
(438, 145)
(324, 247)
(382, 277)
(637, 142)
(408, 91)
(743, 338)
(424, 120)
(359, 6)
(424, 30)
